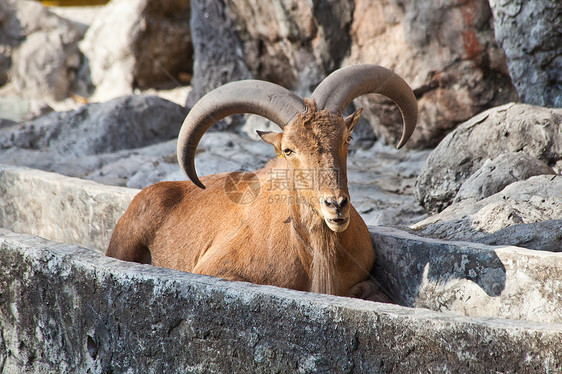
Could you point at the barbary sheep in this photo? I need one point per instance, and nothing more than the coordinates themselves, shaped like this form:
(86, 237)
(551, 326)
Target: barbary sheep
(290, 224)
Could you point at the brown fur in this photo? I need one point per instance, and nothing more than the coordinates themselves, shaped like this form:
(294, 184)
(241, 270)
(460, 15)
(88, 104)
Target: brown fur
(281, 241)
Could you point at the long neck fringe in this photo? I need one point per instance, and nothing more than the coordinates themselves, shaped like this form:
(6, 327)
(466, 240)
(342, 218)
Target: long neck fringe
(324, 263)
(322, 243)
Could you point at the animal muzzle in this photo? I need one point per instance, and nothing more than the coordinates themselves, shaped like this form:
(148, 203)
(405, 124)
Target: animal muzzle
(336, 212)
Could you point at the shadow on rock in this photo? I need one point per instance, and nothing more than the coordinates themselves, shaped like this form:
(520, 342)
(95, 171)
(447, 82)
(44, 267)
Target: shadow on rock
(405, 264)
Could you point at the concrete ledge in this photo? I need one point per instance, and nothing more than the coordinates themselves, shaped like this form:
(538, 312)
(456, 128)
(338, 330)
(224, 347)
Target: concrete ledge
(67, 309)
(64, 209)
(469, 278)
(64, 308)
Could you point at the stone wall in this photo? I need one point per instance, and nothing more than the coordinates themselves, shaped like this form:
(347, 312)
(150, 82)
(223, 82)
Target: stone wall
(529, 33)
(466, 278)
(67, 309)
(64, 308)
(68, 210)
(469, 278)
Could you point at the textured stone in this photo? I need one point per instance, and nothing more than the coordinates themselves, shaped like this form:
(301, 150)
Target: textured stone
(138, 44)
(18, 109)
(532, 130)
(9, 38)
(296, 44)
(529, 33)
(291, 43)
(415, 270)
(543, 235)
(135, 168)
(380, 179)
(41, 49)
(123, 123)
(111, 316)
(536, 201)
(217, 50)
(381, 183)
(6, 122)
(496, 174)
(217, 152)
(468, 278)
(445, 50)
(60, 208)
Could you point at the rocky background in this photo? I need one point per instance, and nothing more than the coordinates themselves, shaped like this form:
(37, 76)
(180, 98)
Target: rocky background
(100, 93)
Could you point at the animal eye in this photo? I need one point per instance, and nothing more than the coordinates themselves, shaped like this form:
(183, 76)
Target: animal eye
(349, 139)
(288, 151)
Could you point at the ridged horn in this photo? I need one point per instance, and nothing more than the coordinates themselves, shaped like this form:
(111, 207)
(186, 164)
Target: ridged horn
(342, 86)
(268, 100)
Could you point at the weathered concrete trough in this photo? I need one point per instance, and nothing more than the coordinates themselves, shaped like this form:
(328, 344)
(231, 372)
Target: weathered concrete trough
(64, 308)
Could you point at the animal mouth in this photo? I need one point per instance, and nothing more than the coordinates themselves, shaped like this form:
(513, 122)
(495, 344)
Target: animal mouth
(338, 221)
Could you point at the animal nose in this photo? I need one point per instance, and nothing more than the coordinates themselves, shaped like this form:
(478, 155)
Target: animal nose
(333, 202)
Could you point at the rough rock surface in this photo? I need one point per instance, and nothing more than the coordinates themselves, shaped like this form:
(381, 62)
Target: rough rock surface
(462, 277)
(68, 210)
(468, 278)
(26, 28)
(294, 44)
(9, 38)
(543, 235)
(111, 316)
(536, 201)
(496, 174)
(217, 152)
(532, 130)
(529, 33)
(18, 109)
(68, 140)
(442, 49)
(139, 43)
(380, 179)
(217, 52)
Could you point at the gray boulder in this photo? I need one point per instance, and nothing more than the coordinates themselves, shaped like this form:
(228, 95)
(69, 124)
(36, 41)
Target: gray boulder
(9, 38)
(526, 213)
(20, 109)
(545, 235)
(496, 174)
(69, 210)
(138, 44)
(217, 152)
(522, 128)
(40, 48)
(60, 139)
(294, 44)
(217, 49)
(529, 33)
(122, 123)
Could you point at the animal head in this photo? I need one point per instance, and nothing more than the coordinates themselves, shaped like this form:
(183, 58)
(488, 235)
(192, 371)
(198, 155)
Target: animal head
(315, 146)
(315, 137)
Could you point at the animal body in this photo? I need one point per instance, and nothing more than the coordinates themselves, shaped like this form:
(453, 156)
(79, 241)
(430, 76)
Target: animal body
(290, 224)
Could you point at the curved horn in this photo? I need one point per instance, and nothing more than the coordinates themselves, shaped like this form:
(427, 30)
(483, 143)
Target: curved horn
(342, 86)
(268, 100)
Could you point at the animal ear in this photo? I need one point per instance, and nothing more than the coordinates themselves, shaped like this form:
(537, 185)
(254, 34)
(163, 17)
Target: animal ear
(273, 138)
(352, 120)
